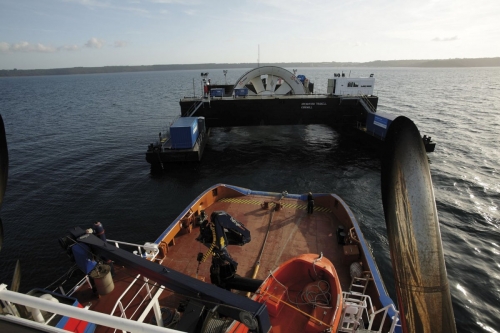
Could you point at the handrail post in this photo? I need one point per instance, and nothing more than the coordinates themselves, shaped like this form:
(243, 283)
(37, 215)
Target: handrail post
(157, 311)
(148, 289)
(120, 305)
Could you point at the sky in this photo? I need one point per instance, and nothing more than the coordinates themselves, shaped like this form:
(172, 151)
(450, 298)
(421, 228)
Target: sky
(36, 34)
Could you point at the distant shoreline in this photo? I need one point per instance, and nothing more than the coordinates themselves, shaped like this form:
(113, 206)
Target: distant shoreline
(437, 63)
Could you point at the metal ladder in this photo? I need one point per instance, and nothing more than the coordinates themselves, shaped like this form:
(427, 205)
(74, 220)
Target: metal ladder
(358, 310)
(367, 104)
(197, 106)
(358, 285)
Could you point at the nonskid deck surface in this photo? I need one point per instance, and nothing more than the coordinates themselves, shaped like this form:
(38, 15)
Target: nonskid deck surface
(292, 232)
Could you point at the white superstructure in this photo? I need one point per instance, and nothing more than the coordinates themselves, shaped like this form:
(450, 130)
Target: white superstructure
(351, 86)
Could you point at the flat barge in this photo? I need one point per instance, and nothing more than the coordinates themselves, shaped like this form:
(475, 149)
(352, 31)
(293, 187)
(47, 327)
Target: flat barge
(272, 95)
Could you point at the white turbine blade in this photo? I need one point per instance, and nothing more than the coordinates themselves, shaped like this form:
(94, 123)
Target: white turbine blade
(257, 84)
(283, 89)
(271, 83)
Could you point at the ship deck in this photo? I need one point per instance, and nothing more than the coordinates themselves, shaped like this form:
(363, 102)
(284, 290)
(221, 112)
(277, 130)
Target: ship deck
(292, 231)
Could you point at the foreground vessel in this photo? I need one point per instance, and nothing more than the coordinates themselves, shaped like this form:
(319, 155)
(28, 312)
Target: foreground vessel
(303, 272)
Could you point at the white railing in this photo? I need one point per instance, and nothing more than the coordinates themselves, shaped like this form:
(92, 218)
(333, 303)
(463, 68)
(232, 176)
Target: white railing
(148, 251)
(196, 107)
(385, 310)
(124, 307)
(140, 249)
(85, 314)
(146, 285)
(364, 304)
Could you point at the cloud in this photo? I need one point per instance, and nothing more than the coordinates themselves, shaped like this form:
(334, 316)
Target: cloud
(69, 48)
(120, 43)
(446, 39)
(94, 43)
(26, 47)
(4, 47)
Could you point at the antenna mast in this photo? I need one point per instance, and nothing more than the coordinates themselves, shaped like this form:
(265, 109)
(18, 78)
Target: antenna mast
(258, 55)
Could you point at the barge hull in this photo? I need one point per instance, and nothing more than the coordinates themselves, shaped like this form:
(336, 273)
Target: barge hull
(282, 110)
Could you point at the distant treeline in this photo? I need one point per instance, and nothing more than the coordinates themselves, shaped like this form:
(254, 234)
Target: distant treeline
(476, 62)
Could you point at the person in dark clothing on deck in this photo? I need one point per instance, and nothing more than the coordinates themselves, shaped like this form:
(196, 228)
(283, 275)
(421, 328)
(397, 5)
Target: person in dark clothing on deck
(310, 203)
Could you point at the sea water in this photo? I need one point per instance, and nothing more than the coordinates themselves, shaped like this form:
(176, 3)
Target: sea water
(77, 148)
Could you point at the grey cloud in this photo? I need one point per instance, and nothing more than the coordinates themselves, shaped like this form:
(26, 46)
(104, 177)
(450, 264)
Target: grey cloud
(95, 43)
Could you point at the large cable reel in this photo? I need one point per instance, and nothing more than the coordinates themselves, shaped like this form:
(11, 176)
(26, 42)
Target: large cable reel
(270, 80)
